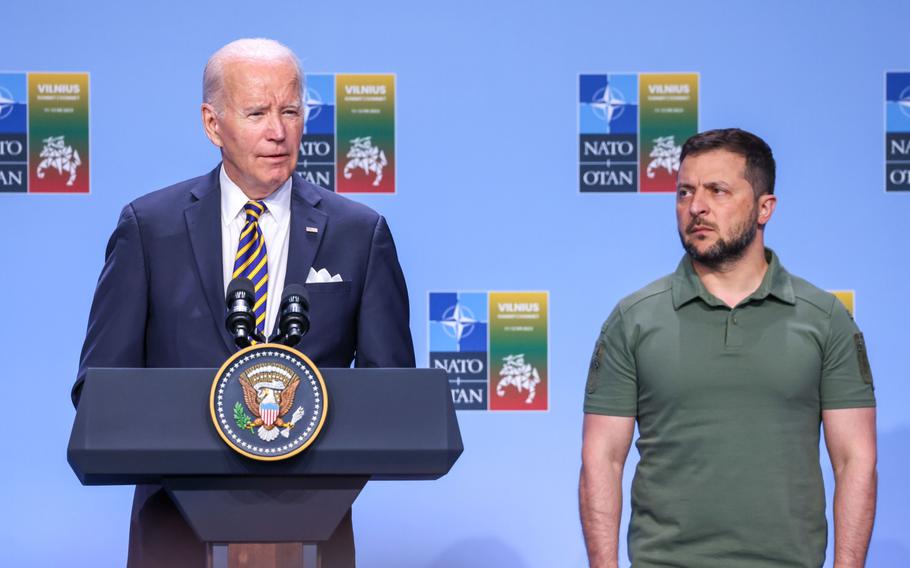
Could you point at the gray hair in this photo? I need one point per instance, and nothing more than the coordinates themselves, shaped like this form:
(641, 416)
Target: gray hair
(261, 49)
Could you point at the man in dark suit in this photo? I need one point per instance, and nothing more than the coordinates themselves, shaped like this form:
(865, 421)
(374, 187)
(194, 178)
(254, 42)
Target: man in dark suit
(160, 298)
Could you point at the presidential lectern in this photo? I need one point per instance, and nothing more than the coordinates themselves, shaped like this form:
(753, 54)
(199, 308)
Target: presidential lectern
(137, 426)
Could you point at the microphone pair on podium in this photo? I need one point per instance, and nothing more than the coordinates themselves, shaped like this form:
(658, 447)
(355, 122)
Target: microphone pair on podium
(293, 319)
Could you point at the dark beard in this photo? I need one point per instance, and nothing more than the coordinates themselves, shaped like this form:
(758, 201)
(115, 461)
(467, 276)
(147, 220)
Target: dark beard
(724, 252)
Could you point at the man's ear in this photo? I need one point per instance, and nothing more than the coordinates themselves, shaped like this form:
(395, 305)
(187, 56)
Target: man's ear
(766, 204)
(211, 125)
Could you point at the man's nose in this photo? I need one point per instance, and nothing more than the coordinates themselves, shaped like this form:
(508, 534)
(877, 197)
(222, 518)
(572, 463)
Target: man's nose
(699, 204)
(276, 130)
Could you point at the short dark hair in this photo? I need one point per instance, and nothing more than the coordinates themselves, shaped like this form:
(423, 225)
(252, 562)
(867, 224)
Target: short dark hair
(760, 168)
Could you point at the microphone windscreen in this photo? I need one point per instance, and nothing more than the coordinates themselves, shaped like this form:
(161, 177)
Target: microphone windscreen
(292, 290)
(240, 285)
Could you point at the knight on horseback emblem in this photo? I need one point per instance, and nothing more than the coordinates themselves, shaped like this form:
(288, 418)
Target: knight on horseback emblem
(666, 155)
(518, 374)
(363, 155)
(57, 155)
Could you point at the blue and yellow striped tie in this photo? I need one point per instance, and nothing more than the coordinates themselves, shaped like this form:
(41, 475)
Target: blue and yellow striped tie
(252, 260)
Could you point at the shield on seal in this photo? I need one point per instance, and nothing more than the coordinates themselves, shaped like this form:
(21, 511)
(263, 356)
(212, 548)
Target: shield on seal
(269, 412)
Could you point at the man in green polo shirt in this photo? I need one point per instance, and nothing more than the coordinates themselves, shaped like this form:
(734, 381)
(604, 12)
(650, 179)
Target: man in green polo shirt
(729, 365)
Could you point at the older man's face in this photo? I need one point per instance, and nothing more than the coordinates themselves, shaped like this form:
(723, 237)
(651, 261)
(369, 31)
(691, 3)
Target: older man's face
(260, 124)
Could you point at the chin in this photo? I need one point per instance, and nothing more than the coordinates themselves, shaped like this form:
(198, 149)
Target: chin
(703, 248)
(277, 177)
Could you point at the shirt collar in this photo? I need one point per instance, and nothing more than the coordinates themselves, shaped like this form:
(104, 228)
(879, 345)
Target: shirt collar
(233, 199)
(687, 286)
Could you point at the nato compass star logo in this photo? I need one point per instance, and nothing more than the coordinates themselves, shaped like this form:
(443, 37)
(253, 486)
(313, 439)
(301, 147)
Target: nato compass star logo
(608, 103)
(312, 105)
(7, 103)
(458, 322)
(903, 103)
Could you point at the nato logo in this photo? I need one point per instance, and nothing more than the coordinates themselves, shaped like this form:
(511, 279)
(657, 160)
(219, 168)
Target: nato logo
(897, 137)
(458, 332)
(608, 132)
(7, 103)
(608, 104)
(319, 105)
(316, 161)
(13, 133)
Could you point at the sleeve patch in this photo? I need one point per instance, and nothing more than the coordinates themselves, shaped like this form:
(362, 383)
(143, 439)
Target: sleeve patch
(591, 387)
(865, 370)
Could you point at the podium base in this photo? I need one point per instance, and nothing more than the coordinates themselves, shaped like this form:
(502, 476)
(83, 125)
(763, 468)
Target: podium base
(261, 555)
(291, 510)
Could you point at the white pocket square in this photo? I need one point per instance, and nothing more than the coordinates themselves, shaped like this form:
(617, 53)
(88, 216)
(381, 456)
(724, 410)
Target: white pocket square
(320, 276)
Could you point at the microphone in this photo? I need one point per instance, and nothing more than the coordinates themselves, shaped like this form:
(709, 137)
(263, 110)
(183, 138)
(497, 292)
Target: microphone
(293, 321)
(241, 321)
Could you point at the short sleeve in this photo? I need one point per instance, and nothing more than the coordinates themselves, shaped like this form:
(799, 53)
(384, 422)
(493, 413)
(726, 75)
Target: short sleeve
(612, 386)
(846, 373)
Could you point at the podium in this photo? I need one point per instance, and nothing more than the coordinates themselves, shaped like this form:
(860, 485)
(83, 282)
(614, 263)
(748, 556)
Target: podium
(153, 426)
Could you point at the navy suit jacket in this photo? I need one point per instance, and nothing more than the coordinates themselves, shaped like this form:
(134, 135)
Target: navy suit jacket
(160, 297)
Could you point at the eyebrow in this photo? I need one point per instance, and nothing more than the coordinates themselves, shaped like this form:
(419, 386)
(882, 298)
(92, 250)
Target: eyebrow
(264, 107)
(709, 185)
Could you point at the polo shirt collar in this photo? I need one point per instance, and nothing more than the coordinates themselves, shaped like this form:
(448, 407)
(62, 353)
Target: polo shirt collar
(687, 286)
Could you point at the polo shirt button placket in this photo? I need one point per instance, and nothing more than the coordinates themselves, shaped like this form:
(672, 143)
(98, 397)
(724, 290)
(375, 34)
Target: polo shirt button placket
(734, 338)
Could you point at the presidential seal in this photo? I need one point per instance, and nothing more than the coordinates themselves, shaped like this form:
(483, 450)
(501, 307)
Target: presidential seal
(268, 402)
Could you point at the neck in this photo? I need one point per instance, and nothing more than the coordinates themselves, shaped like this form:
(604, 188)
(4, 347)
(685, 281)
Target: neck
(734, 281)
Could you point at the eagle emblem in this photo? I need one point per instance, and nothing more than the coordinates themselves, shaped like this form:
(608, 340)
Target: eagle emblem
(268, 391)
(268, 402)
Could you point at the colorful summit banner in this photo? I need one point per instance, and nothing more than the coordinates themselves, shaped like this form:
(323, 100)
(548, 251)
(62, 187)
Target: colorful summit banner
(631, 130)
(669, 116)
(897, 131)
(365, 133)
(518, 351)
(44, 132)
(348, 145)
(494, 347)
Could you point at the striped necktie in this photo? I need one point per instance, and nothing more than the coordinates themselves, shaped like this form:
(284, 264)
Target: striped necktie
(252, 260)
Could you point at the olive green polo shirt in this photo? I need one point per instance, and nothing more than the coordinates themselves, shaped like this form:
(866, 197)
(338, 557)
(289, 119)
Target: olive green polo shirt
(728, 404)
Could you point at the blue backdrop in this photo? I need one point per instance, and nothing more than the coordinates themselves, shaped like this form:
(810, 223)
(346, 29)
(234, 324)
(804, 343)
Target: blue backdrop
(487, 199)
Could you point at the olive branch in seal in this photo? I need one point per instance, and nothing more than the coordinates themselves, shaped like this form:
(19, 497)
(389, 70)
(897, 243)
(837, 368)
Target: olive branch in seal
(242, 418)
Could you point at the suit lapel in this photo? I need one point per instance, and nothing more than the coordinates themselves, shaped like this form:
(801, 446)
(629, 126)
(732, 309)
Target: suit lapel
(306, 232)
(203, 224)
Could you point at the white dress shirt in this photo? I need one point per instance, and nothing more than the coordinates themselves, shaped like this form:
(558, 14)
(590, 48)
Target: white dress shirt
(275, 224)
